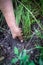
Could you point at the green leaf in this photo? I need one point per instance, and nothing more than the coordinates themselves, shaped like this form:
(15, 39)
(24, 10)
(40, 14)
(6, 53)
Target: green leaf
(24, 57)
(40, 61)
(20, 56)
(41, 54)
(14, 60)
(24, 0)
(39, 47)
(16, 51)
(41, 1)
(18, 14)
(26, 24)
(32, 63)
(38, 33)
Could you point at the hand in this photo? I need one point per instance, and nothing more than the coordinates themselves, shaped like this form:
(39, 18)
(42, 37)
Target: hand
(16, 32)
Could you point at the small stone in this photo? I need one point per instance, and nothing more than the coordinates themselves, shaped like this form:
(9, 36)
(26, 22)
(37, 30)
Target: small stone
(21, 40)
(1, 58)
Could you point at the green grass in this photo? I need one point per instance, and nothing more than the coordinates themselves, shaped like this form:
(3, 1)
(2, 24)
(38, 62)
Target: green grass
(24, 56)
(27, 13)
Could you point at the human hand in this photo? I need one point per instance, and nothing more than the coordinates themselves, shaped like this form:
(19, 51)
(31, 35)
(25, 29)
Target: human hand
(7, 10)
(16, 32)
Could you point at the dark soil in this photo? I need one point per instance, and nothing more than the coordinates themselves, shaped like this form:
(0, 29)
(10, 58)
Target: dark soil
(7, 44)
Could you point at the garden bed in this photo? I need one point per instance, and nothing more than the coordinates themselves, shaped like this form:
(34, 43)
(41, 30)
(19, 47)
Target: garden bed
(29, 52)
(7, 43)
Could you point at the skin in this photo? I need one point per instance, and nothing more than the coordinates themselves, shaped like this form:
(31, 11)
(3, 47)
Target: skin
(7, 9)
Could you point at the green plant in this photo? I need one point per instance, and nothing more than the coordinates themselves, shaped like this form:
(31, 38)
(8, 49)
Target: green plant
(26, 24)
(26, 14)
(22, 57)
(41, 1)
(18, 13)
(38, 33)
(40, 61)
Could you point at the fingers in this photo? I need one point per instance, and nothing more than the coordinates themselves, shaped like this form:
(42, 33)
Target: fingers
(14, 36)
(17, 33)
(20, 38)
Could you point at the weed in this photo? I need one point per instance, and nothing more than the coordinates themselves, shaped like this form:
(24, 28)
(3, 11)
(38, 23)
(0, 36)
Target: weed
(23, 57)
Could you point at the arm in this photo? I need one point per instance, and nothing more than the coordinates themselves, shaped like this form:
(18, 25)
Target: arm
(7, 9)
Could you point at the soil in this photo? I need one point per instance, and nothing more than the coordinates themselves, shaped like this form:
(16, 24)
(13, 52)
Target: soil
(7, 45)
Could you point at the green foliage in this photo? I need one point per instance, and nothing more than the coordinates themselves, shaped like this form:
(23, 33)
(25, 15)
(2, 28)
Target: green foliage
(23, 57)
(32, 63)
(41, 1)
(14, 60)
(40, 61)
(18, 13)
(41, 56)
(16, 51)
(24, 0)
(1, 18)
(26, 14)
(38, 33)
(26, 24)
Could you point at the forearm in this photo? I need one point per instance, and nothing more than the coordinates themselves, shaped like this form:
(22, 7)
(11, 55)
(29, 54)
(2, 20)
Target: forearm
(7, 9)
